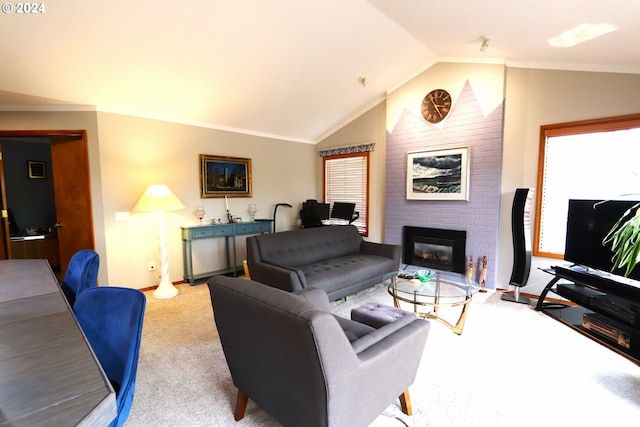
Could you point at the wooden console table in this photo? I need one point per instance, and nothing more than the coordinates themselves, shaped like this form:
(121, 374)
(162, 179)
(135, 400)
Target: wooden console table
(229, 232)
(49, 375)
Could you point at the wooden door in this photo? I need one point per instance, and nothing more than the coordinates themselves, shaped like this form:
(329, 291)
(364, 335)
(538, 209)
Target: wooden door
(5, 235)
(72, 187)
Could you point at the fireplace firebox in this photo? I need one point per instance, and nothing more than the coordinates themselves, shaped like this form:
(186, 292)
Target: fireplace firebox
(434, 248)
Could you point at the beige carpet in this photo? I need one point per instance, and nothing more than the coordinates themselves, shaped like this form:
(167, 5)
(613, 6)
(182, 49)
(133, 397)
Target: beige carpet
(512, 366)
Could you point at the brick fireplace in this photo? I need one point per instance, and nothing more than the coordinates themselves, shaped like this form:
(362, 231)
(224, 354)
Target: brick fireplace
(467, 125)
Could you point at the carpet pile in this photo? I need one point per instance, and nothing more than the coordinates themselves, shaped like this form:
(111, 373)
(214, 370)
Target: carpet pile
(512, 366)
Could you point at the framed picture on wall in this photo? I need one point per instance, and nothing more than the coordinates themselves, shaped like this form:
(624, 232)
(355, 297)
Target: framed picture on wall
(438, 174)
(37, 169)
(224, 176)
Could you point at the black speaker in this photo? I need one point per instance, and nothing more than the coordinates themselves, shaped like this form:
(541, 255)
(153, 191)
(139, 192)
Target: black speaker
(521, 234)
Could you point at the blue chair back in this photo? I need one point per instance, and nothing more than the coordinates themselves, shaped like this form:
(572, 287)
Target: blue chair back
(81, 274)
(111, 319)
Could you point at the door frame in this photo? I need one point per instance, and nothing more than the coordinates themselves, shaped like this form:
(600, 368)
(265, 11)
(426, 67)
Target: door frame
(53, 135)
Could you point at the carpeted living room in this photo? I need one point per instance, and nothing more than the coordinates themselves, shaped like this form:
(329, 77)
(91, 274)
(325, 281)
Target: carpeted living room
(511, 366)
(467, 145)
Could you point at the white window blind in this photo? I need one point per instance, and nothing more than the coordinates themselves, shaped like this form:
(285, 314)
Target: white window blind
(346, 179)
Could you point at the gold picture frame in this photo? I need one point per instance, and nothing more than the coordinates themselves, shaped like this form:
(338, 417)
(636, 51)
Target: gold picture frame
(223, 176)
(37, 169)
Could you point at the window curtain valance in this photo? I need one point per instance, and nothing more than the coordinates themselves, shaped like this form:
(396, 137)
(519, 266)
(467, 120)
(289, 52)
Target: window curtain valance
(348, 149)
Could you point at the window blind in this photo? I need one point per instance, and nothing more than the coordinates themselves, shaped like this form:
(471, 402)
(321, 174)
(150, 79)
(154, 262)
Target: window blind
(346, 179)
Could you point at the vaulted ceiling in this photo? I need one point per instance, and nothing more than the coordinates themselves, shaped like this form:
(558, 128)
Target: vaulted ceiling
(288, 69)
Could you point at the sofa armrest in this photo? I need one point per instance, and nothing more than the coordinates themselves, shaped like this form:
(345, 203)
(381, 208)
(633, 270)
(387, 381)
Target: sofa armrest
(317, 297)
(382, 249)
(278, 276)
(366, 341)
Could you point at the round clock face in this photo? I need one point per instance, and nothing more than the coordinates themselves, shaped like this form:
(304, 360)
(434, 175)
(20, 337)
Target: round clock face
(436, 105)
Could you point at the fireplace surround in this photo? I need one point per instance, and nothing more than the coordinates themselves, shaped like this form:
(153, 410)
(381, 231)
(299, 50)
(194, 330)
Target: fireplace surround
(434, 248)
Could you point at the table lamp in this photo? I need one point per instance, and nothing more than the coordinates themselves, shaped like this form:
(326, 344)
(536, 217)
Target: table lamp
(159, 199)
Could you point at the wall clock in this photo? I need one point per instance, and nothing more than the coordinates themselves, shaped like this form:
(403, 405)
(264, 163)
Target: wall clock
(436, 105)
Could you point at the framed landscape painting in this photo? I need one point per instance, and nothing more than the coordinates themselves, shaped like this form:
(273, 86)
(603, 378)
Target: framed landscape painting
(224, 176)
(440, 174)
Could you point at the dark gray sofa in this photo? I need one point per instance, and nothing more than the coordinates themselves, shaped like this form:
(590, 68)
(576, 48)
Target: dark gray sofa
(335, 259)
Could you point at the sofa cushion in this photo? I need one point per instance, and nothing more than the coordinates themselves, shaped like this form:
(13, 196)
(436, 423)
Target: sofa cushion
(333, 274)
(296, 248)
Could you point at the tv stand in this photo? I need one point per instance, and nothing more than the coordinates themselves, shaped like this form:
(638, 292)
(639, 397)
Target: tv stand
(607, 307)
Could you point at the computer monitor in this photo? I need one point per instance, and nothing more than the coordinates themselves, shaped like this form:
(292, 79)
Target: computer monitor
(343, 210)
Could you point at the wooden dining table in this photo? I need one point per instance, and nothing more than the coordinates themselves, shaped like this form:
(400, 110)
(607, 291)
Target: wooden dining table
(49, 376)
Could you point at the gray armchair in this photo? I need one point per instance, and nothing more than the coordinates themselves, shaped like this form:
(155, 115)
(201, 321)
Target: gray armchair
(305, 366)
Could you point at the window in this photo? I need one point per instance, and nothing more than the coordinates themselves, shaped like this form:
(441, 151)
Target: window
(346, 179)
(595, 159)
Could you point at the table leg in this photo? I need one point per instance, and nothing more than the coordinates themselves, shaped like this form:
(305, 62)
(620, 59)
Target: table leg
(459, 326)
(188, 262)
(394, 292)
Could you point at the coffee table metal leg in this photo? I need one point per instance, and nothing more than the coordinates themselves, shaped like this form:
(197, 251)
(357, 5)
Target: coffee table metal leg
(396, 302)
(459, 326)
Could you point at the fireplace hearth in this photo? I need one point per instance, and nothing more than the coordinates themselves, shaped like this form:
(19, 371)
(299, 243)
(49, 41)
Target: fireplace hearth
(434, 248)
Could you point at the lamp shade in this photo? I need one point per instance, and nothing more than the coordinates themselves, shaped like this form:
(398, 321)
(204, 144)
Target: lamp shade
(158, 198)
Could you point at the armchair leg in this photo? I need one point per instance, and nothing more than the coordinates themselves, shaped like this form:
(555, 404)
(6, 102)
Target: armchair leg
(241, 405)
(405, 402)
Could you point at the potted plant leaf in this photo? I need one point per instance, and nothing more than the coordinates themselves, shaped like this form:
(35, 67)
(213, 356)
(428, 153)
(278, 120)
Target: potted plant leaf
(624, 237)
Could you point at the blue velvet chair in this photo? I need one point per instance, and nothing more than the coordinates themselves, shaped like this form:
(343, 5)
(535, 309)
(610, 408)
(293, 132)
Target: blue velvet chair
(111, 318)
(82, 273)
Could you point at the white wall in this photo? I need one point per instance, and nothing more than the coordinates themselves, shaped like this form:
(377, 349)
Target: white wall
(136, 152)
(540, 97)
(126, 154)
(368, 127)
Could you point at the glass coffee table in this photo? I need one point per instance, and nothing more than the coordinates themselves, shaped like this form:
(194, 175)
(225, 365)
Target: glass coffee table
(433, 289)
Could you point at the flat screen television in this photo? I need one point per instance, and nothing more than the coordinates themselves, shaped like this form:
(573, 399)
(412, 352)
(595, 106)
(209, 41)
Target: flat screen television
(588, 222)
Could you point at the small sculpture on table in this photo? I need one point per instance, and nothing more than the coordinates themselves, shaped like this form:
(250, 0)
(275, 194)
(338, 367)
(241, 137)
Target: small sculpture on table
(483, 275)
(252, 211)
(470, 268)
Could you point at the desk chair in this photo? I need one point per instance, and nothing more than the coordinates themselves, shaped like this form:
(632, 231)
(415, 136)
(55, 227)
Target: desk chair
(82, 273)
(313, 213)
(111, 319)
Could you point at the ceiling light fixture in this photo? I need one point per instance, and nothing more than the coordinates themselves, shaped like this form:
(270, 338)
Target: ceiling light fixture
(485, 43)
(364, 81)
(581, 33)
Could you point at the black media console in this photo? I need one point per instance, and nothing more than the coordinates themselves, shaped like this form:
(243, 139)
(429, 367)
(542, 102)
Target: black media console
(608, 308)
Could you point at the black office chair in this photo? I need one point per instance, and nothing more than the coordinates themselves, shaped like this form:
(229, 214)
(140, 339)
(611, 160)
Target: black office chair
(111, 319)
(313, 213)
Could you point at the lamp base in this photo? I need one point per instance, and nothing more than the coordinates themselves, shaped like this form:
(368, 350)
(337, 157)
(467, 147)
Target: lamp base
(165, 290)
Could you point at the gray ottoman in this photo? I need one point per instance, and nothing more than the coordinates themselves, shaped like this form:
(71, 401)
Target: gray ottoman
(377, 315)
